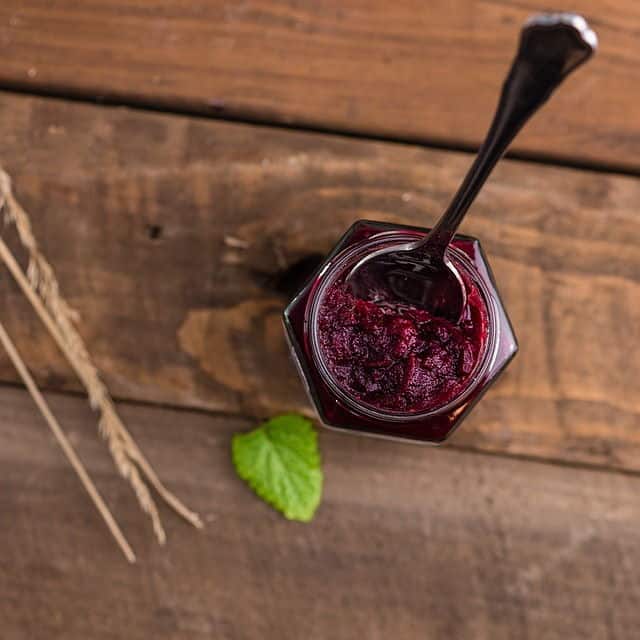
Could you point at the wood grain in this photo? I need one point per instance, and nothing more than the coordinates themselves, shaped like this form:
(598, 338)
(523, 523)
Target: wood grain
(170, 236)
(413, 70)
(408, 543)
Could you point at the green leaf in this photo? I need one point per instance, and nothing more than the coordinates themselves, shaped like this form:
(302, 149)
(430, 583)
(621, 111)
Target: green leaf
(280, 461)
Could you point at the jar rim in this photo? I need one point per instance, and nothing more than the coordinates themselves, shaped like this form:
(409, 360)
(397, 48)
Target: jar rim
(337, 265)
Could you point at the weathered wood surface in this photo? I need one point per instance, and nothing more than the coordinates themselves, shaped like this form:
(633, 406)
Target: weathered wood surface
(414, 70)
(145, 217)
(408, 543)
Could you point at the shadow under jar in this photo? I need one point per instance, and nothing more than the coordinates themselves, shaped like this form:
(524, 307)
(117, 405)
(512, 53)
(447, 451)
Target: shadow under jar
(396, 373)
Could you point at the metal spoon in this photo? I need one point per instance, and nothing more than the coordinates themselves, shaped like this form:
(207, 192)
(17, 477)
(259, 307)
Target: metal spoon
(420, 273)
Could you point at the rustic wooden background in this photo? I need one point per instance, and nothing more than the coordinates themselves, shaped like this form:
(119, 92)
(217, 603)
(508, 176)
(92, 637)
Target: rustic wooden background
(524, 526)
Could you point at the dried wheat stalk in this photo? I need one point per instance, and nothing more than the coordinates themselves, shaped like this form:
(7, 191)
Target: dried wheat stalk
(41, 288)
(64, 443)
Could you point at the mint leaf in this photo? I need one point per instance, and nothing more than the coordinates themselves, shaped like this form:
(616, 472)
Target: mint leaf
(280, 461)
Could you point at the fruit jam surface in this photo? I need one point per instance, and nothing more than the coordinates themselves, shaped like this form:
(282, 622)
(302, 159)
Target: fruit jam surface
(405, 360)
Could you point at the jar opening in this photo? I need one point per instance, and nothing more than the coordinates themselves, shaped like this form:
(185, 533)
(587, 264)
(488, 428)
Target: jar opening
(326, 282)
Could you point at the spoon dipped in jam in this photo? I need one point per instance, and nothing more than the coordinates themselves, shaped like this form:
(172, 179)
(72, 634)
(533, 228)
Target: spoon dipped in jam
(420, 273)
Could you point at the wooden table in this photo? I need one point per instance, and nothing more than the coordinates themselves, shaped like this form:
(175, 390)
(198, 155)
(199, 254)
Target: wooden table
(278, 124)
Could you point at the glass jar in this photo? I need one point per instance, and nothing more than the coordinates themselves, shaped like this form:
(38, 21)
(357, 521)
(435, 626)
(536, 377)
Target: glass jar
(340, 409)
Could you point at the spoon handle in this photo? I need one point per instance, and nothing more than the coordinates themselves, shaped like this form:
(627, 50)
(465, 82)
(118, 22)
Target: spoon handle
(552, 45)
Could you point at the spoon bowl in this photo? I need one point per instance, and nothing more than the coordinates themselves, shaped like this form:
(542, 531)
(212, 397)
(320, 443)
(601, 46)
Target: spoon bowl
(402, 275)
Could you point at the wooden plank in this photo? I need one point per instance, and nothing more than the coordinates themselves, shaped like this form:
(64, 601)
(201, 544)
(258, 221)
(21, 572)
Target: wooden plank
(408, 543)
(414, 70)
(141, 215)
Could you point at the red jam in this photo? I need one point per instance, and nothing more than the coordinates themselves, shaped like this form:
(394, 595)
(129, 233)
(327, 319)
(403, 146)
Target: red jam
(404, 360)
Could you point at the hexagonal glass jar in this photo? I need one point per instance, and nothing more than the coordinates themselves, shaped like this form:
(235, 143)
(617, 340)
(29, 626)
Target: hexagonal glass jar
(336, 408)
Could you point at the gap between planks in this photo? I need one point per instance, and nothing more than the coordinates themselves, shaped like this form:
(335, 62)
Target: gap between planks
(189, 109)
(254, 421)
